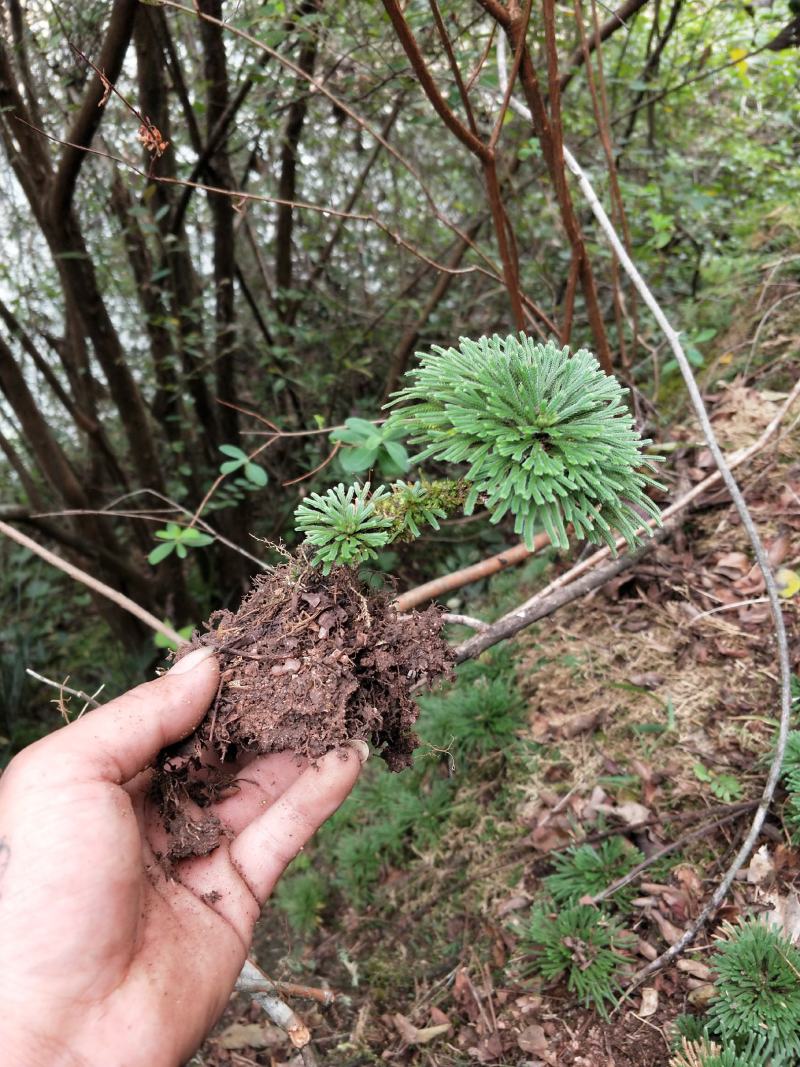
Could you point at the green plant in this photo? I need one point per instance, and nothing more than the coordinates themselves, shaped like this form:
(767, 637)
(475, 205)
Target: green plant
(177, 539)
(412, 505)
(162, 641)
(343, 525)
(586, 870)
(547, 436)
(481, 713)
(690, 1028)
(726, 787)
(369, 445)
(395, 816)
(758, 991)
(791, 779)
(302, 897)
(254, 473)
(704, 1052)
(581, 945)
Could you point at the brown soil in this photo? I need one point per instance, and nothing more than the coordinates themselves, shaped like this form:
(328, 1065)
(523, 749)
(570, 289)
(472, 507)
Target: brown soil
(307, 663)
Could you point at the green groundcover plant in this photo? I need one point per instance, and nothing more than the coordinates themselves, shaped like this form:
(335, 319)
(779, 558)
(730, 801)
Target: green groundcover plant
(546, 437)
(580, 945)
(755, 1016)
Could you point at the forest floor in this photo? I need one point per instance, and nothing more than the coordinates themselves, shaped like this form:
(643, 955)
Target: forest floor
(647, 709)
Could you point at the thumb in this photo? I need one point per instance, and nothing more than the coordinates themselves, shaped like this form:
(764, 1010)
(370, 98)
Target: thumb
(121, 738)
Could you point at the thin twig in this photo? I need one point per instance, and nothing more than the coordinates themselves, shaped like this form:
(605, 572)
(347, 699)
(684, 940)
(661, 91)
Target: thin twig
(246, 984)
(455, 580)
(684, 839)
(116, 597)
(317, 86)
(654, 820)
(465, 620)
(252, 980)
(62, 687)
(749, 526)
(541, 606)
(241, 197)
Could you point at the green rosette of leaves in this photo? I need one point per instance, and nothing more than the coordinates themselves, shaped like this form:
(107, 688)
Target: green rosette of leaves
(546, 434)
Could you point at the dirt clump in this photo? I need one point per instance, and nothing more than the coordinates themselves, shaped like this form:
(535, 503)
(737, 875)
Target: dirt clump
(307, 663)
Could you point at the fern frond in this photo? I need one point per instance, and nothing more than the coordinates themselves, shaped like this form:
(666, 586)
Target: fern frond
(546, 434)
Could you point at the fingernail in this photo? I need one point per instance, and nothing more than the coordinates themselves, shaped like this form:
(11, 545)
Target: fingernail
(193, 659)
(361, 747)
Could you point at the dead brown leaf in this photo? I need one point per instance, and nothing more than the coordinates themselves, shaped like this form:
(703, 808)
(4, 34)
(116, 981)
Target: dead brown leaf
(732, 565)
(649, 1004)
(251, 1035)
(413, 1035)
(533, 1039)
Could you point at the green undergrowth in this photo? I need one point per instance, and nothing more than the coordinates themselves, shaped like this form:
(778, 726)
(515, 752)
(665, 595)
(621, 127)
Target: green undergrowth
(48, 620)
(467, 729)
(754, 1018)
(463, 782)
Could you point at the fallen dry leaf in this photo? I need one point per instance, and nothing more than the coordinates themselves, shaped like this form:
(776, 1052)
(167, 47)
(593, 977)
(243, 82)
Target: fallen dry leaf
(251, 1035)
(513, 903)
(533, 1039)
(761, 868)
(632, 813)
(649, 1002)
(779, 550)
(581, 723)
(644, 948)
(695, 968)
(788, 582)
(703, 995)
(668, 931)
(413, 1035)
(784, 912)
(732, 565)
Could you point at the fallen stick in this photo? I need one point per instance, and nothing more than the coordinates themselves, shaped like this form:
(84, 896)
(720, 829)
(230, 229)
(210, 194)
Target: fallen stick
(654, 820)
(684, 839)
(448, 582)
(542, 605)
(257, 985)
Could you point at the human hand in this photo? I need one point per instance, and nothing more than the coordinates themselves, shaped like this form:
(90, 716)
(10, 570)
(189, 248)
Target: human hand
(104, 960)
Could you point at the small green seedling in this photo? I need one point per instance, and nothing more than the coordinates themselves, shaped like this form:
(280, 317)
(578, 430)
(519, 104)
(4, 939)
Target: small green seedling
(177, 539)
(240, 461)
(726, 787)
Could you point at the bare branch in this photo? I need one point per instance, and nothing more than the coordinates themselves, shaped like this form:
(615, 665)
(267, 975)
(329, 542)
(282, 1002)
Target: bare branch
(87, 121)
(118, 598)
